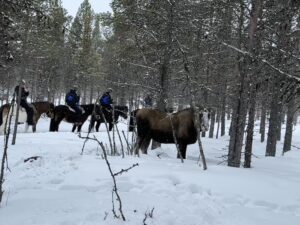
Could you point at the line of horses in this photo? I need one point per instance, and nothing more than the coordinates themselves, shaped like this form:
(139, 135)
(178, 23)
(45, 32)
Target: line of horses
(179, 127)
(64, 113)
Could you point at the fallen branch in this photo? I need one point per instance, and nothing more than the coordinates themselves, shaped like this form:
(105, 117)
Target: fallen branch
(32, 158)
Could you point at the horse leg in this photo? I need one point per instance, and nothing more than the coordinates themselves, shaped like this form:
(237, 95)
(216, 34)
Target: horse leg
(98, 125)
(34, 128)
(92, 123)
(57, 124)
(74, 127)
(79, 128)
(52, 125)
(26, 127)
(182, 150)
(110, 126)
(144, 144)
(138, 145)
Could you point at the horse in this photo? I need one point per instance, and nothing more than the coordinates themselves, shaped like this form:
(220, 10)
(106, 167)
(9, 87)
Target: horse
(98, 118)
(39, 108)
(63, 112)
(178, 128)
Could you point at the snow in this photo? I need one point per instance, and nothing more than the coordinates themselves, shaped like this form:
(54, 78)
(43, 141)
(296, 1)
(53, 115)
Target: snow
(63, 187)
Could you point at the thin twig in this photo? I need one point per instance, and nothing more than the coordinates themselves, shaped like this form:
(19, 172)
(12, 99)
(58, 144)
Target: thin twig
(126, 170)
(121, 142)
(128, 146)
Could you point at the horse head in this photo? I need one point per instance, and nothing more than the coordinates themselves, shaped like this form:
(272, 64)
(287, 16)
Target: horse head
(50, 112)
(122, 111)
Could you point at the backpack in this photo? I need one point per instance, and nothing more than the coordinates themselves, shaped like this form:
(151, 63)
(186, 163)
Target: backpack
(105, 100)
(70, 99)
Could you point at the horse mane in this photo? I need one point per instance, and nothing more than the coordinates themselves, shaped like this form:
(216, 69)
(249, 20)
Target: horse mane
(88, 107)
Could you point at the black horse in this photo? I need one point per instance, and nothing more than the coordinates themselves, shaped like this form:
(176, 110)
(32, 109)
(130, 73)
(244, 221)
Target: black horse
(98, 117)
(162, 127)
(63, 112)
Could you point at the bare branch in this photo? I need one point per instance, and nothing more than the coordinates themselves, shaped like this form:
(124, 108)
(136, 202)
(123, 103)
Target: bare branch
(126, 170)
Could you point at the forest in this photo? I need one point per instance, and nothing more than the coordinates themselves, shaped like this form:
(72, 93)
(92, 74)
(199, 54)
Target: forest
(238, 58)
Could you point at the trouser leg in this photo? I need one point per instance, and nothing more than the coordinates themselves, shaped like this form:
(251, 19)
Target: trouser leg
(29, 111)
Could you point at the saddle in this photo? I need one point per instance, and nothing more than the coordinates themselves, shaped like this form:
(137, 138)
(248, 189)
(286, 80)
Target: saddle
(72, 110)
(103, 108)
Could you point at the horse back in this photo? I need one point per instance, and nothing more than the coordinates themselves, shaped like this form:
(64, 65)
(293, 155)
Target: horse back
(60, 108)
(147, 120)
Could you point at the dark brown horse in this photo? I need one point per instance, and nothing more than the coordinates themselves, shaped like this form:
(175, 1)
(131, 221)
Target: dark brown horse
(63, 112)
(98, 117)
(161, 127)
(39, 108)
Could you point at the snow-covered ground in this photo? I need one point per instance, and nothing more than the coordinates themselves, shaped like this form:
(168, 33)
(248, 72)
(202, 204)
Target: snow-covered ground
(66, 188)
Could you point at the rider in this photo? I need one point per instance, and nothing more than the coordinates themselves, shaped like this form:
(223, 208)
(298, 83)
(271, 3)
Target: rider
(148, 101)
(23, 100)
(106, 100)
(72, 100)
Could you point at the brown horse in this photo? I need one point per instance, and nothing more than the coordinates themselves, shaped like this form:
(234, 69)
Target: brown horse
(39, 108)
(161, 127)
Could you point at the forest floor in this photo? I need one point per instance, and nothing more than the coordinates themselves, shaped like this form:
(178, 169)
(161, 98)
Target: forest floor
(63, 187)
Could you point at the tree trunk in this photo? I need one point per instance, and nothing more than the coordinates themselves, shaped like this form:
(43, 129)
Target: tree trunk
(239, 107)
(289, 126)
(250, 129)
(273, 121)
(279, 125)
(295, 118)
(212, 123)
(262, 128)
(92, 89)
(218, 120)
(223, 115)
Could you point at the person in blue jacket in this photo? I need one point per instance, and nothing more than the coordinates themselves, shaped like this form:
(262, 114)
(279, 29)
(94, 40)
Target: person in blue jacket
(72, 100)
(106, 100)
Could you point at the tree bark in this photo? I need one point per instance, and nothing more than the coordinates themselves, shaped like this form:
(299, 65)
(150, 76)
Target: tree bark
(262, 128)
(239, 107)
(250, 129)
(273, 121)
(289, 126)
(212, 123)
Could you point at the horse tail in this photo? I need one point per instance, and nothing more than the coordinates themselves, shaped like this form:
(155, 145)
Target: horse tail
(132, 121)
